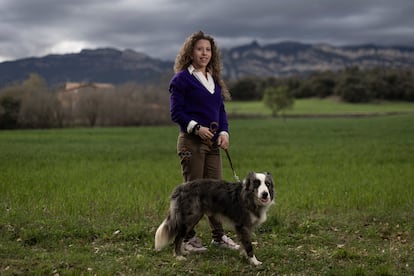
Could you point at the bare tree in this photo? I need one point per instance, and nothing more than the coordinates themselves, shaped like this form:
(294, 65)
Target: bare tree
(132, 104)
(39, 104)
(90, 101)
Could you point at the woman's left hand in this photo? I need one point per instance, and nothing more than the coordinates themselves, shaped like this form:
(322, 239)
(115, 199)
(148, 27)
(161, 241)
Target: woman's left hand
(223, 141)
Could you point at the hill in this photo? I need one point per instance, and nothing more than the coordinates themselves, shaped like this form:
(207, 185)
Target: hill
(293, 58)
(114, 66)
(104, 65)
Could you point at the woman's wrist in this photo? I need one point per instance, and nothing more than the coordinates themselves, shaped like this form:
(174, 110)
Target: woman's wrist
(196, 129)
(224, 133)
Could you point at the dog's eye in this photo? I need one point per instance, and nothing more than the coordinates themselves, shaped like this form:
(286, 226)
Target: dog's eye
(256, 183)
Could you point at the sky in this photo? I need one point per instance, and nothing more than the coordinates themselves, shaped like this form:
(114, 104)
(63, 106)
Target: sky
(35, 28)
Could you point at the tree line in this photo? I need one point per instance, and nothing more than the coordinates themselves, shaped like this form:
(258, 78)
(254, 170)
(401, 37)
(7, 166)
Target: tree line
(351, 85)
(32, 104)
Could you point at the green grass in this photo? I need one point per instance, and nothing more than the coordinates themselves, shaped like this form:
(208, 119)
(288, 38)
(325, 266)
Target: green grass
(88, 201)
(315, 106)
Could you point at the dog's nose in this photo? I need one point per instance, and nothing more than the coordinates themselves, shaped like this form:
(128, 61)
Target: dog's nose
(265, 195)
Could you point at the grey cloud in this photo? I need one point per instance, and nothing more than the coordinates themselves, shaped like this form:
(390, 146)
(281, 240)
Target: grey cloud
(158, 27)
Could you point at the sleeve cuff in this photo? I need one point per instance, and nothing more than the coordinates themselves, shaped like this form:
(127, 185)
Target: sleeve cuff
(224, 133)
(191, 125)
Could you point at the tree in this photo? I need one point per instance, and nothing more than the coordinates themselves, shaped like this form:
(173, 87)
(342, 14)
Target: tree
(278, 99)
(352, 86)
(322, 84)
(90, 101)
(9, 112)
(34, 82)
(39, 104)
(246, 90)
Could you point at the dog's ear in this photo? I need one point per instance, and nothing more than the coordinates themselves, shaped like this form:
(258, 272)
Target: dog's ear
(249, 180)
(269, 179)
(269, 175)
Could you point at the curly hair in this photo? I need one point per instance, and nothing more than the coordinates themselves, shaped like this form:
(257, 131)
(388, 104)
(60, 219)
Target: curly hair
(183, 59)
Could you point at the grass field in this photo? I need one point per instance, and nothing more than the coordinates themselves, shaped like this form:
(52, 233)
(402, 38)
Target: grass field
(320, 107)
(88, 201)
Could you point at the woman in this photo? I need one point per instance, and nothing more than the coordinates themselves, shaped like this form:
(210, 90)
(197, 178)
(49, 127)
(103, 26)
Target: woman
(197, 106)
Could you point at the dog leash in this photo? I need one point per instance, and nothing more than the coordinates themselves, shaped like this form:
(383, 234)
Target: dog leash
(213, 128)
(231, 165)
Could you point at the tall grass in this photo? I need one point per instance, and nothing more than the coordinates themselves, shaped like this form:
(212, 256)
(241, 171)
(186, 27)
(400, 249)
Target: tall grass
(89, 200)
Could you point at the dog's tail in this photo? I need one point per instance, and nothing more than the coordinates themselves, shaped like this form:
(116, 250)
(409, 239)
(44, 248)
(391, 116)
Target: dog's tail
(168, 229)
(163, 236)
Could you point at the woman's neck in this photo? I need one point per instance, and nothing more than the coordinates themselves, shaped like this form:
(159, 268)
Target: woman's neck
(201, 69)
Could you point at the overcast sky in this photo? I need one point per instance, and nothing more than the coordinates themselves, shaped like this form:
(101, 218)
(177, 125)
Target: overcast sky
(158, 27)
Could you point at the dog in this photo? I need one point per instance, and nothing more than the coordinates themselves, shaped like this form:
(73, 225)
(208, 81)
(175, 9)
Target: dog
(243, 204)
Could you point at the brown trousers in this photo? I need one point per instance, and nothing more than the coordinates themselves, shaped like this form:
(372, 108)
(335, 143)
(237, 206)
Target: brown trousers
(200, 159)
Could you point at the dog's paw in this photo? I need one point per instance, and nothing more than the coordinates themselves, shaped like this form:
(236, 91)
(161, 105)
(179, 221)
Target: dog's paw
(254, 261)
(181, 253)
(181, 258)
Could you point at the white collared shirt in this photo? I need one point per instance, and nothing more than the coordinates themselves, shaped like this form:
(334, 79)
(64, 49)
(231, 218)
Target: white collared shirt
(207, 82)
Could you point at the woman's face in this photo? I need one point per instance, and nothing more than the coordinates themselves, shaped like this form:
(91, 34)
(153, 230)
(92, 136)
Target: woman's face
(201, 54)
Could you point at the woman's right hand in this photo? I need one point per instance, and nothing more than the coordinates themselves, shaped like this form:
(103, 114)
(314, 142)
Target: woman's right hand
(205, 133)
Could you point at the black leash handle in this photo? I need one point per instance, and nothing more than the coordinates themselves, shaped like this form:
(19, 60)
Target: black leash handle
(231, 165)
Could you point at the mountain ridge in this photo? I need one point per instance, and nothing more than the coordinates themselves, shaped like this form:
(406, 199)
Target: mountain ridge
(110, 65)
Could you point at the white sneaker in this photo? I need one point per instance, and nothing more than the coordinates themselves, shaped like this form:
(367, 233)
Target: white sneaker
(194, 245)
(226, 242)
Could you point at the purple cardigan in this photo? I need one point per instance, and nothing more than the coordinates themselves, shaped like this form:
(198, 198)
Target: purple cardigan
(190, 100)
